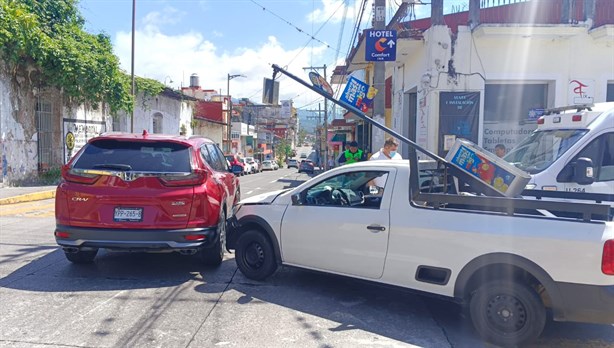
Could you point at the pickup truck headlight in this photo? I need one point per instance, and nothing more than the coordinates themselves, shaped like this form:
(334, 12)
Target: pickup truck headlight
(530, 186)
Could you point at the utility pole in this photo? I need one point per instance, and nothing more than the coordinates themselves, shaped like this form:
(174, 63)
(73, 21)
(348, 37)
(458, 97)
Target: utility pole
(325, 163)
(319, 134)
(132, 89)
(379, 72)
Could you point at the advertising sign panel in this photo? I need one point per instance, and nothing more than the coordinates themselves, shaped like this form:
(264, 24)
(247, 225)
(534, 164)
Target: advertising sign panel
(458, 116)
(358, 94)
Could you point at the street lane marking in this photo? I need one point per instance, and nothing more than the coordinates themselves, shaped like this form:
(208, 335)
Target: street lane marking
(249, 192)
(273, 181)
(30, 208)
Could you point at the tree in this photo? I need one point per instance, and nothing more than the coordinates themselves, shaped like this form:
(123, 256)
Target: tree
(283, 151)
(50, 35)
(302, 135)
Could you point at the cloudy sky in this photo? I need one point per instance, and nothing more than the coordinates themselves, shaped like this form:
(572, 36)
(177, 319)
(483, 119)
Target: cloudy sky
(213, 38)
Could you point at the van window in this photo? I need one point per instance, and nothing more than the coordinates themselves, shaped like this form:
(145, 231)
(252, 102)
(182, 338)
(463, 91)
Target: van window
(601, 152)
(541, 149)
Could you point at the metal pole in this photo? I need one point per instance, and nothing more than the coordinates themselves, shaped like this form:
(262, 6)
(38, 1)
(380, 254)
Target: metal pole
(325, 163)
(229, 117)
(360, 114)
(320, 149)
(379, 74)
(132, 67)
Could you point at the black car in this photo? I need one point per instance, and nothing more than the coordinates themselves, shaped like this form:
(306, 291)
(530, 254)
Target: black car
(306, 166)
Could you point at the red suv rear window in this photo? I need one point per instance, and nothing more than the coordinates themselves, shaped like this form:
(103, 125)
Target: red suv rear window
(135, 156)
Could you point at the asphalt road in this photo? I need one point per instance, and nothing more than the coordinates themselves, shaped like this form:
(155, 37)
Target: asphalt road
(169, 300)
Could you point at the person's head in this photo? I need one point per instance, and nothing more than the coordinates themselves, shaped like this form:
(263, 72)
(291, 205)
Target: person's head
(500, 150)
(390, 147)
(353, 146)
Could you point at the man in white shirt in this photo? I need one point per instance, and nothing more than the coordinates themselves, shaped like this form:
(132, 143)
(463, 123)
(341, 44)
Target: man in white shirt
(388, 152)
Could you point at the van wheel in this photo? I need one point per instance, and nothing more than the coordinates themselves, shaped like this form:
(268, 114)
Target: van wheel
(81, 256)
(214, 255)
(507, 313)
(255, 256)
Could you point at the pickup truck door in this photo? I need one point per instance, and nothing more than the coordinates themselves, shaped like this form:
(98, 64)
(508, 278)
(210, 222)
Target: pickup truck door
(320, 233)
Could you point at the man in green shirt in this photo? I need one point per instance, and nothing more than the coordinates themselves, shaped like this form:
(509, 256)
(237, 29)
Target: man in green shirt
(352, 154)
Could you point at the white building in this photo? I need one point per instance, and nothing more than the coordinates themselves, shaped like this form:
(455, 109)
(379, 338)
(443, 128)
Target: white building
(487, 79)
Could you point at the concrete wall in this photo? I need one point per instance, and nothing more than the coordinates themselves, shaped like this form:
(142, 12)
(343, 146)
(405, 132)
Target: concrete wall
(213, 131)
(20, 92)
(174, 112)
(26, 149)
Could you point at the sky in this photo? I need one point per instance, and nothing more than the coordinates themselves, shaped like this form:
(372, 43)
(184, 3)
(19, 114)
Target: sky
(214, 38)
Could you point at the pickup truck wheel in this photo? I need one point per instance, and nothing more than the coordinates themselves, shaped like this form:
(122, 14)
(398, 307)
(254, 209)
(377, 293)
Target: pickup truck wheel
(507, 313)
(255, 256)
(214, 255)
(81, 256)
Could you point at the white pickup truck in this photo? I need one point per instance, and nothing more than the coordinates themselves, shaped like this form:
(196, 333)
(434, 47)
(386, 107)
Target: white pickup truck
(510, 260)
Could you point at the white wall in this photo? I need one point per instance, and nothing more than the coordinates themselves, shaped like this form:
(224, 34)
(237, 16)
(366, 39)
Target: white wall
(553, 55)
(174, 112)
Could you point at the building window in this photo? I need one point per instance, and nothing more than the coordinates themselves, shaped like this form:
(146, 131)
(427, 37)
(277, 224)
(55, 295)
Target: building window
(235, 135)
(610, 92)
(506, 112)
(157, 123)
(44, 126)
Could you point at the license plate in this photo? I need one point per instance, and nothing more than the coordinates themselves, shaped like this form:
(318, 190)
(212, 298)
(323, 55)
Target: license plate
(128, 214)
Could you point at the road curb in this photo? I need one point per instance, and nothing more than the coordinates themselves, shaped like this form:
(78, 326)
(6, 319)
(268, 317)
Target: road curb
(36, 196)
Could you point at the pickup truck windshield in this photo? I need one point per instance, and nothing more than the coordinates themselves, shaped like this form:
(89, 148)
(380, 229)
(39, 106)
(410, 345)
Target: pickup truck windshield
(542, 148)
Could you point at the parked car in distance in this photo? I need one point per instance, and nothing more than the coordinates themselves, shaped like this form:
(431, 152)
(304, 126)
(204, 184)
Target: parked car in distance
(247, 168)
(255, 165)
(303, 155)
(292, 163)
(149, 193)
(306, 166)
(267, 165)
(275, 165)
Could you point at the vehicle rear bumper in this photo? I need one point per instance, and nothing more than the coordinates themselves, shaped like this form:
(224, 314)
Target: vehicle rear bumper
(587, 303)
(135, 240)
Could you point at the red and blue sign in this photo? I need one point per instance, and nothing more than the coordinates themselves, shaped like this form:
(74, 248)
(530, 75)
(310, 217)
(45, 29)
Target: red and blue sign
(381, 46)
(358, 94)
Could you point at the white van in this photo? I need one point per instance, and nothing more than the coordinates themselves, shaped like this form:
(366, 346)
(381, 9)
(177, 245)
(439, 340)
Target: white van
(572, 149)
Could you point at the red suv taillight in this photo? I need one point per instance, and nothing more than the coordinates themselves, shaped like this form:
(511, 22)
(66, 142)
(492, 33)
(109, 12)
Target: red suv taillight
(78, 176)
(607, 259)
(196, 177)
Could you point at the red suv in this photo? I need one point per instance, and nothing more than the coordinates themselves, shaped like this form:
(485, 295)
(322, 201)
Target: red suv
(145, 193)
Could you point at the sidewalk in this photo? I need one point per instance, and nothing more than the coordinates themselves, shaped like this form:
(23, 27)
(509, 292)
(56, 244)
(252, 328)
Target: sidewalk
(12, 195)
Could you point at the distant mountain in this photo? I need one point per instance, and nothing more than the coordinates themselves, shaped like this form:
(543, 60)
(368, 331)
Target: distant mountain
(307, 120)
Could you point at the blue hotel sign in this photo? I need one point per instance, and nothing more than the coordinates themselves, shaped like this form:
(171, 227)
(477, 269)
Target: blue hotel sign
(381, 46)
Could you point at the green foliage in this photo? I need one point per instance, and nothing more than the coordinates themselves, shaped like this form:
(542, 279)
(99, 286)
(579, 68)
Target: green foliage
(51, 177)
(148, 87)
(283, 151)
(50, 35)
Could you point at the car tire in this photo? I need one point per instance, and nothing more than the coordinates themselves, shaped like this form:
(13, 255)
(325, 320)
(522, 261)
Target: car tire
(81, 256)
(255, 256)
(507, 313)
(214, 255)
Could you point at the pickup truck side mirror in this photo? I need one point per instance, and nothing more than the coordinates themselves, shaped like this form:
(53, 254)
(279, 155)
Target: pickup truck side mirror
(584, 171)
(296, 199)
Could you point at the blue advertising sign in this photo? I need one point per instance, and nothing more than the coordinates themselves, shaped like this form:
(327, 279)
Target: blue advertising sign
(358, 94)
(381, 46)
